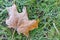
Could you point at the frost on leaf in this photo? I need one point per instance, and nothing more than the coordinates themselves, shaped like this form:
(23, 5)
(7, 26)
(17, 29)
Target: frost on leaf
(20, 21)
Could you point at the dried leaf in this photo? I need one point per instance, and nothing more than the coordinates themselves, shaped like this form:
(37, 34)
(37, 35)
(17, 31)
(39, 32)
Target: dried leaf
(27, 26)
(20, 21)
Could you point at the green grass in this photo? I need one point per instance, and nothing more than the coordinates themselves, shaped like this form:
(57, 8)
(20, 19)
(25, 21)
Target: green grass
(48, 11)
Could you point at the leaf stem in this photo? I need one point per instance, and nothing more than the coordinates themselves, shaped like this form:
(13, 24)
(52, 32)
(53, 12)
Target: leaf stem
(13, 34)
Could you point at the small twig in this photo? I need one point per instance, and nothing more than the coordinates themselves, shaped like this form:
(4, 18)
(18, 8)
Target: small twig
(55, 28)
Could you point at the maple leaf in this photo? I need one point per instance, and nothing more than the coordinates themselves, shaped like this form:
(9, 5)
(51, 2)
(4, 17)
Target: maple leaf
(15, 18)
(20, 21)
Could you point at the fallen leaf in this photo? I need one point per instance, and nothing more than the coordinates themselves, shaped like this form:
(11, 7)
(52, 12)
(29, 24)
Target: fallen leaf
(27, 26)
(20, 21)
(15, 18)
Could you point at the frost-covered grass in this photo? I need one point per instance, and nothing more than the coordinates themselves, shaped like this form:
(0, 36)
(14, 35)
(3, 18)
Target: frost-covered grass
(48, 11)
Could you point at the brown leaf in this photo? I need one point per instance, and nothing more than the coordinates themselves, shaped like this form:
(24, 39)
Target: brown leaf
(20, 21)
(27, 26)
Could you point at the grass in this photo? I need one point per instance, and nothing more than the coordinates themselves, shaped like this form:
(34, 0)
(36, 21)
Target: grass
(48, 11)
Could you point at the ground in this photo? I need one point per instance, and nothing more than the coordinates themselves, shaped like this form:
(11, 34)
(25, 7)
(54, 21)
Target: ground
(47, 11)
